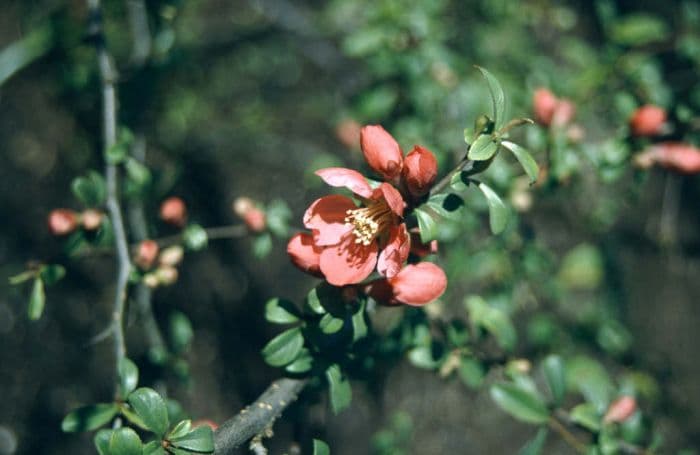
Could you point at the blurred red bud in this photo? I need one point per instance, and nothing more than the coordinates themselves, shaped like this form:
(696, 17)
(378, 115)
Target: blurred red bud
(91, 219)
(348, 133)
(620, 409)
(564, 112)
(62, 221)
(674, 156)
(647, 120)
(146, 253)
(543, 105)
(255, 219)
(174, 211)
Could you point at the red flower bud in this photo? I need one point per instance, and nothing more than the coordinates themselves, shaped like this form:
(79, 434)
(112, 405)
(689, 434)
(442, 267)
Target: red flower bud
(146, 254)
(620, 409)
(647, 120)
(544, 102)
(381, 151)
(420, 170)
(174, 211)
(62, 221)
(91, 219)
(255, 219)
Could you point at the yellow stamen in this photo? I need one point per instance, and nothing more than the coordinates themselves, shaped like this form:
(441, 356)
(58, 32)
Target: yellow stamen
(368, 222)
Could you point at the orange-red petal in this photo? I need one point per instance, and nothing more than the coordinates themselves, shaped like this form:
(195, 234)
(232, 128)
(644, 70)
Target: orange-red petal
(418, 284)
(395, 253)
(420, 170)
(381, 151)
(348, 178)
(678, 157)
(304, 254)
(326, 218)
(348, 262)
(392, 197)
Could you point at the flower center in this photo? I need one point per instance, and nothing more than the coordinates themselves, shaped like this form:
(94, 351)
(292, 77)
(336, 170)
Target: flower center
(368, 222)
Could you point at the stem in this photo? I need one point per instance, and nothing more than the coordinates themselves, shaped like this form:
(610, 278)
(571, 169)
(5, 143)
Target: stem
(213, 233)
(566, 435)
(258, 416)
(108, 76)
(464, 164)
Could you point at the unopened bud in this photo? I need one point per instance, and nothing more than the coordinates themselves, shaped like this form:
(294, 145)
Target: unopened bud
(348, 133)
(166, 275)
(647, 120)
(544, 102)
(62, 221)
(620, 409)
(91, 219)
(172, 255)
(256, 220)
(146, 254)
(151, 280)
(564, 113)
(174, 211)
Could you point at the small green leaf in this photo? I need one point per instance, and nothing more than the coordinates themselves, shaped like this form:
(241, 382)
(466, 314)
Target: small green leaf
(153, 448)
(525, 159)
(582, 268)
(284, 348)
(52, 274)
(88, 418)
(498, 98)
(338, 388)
(182, 428)
(195, 237)
(117, 153)
(125, 441)
(427, 224)
(359, 325)
(330, 324)
(520, 403)
(553, 368)
(262, 245)
(303, 363)
(22, 277)
(281, 311)
(278, 215)
(493, 320)
(101, 441)
(498, 212)
(536, 445)
(590, 378)
(314, 302)
(587, 416)
(200, 440)
(150, 407)
(128, 377)
(90, 190)
(321, 448)
(138, 173)
(471, 372)
(483, 148)
(422, 357)
(37, 300)
(181, 332)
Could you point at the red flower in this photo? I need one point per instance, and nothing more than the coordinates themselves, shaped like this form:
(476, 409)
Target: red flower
(675, 156)
(62, 221)
(415, 285)
(174, 211)
(647, 120)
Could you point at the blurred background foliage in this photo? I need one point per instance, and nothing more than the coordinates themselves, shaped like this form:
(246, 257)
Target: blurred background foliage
(599, 262)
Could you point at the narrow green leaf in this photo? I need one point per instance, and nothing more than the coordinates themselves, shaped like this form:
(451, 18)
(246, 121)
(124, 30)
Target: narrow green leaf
(321, 448)
(200, 440)
(88, 418)
(22, 277)
(520, 403)
(281, 311)
(427, 224)
(330, 324)
(150, 407)
(138, 173)
(483, 148)
(359, 325)
(101, 441)
(128, 377)
(182, 428)
(498, 212)
(284, 348)
(525, 159)
(536, 445)
(498, 98)
(37, 300)
(553, 368)
(125, 441)
(314, 302)
(338, 388)
(303, 363)
(587, 416)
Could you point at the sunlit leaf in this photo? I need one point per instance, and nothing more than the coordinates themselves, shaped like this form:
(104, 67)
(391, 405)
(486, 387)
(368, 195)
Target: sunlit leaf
(284, 348)
(338, 388)
(150, 407)
(498, 212)
(525, 159)
(498, 97)
(520, 403)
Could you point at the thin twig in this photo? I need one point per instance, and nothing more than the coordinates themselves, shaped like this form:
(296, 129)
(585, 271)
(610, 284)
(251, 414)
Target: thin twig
(258, 416)
(213, 233)
(108, 76)
(567, 436)
(464, 164)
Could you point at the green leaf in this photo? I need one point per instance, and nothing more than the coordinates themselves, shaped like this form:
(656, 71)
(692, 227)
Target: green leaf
(88, 418)
(587, 416)
(321, 448)
(471, 372)
(525, 159)
(582, 268)
(493, 320)
(101, 441)
(195, 237)
(262, 245)
(150, 407)
(427, 224)
(181, 332)
(302, 364)
(446, 205)
(182, 428)
(330, 324)
(422, 357)
(22, 277)
(154, 448)
(639, 29)
(498, 98)
(90, 190)
(483, 148)
(200, 440)
(128, 377)
(314, 302)
(498, 212)
(284, 348)
(590, 378)
(536, 445)
(277, 217)
(359, 325)
(125, 441)
(138, 173)
(52, 274)
(37, 300)
(117, 153)
(338, 388)
(281, 311)
(553, 368)
(520, 403)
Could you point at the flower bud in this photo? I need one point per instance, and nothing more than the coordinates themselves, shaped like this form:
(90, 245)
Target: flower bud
(174, 211)
(420, 170)
(172, 255)
(62, 221)
(151, 280)
(166, 275)
(348, 133)
(381, 151)
(543, 105)
(647, 120)
(255, 220)
(91, 219)
(243, 205)
(146, 254)
(620, 410)
(564, 113)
